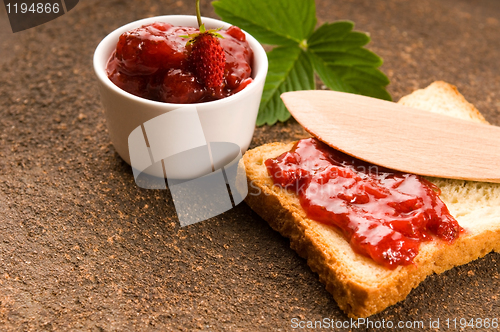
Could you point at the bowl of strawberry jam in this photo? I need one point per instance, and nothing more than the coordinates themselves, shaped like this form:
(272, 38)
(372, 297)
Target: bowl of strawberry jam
(144, 70)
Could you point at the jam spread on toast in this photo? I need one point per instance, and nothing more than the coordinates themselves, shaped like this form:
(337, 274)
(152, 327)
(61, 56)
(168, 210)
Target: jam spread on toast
(383, 214)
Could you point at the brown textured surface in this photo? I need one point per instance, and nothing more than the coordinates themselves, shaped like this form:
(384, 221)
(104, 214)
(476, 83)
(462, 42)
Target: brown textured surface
(82, 248)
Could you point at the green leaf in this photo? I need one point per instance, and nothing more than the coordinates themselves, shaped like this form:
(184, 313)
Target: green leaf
(364, 80)
(272, 22)
(352, 57)
(334, 51)
(342, 63)
(331, 80)
(338, 37)
(289, 70)
(330, 32)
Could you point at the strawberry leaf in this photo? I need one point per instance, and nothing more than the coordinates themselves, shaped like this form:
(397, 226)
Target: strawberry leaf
(275, 22)
(334, 51)
(289, 70)
(342, 64)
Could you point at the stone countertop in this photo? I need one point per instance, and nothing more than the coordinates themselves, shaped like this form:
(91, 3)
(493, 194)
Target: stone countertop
(83, 248)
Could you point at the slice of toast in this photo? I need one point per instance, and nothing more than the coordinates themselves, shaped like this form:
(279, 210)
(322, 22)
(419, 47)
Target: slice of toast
(360, 286)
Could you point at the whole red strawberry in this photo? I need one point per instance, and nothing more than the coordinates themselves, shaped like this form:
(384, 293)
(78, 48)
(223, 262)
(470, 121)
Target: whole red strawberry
(207, 58)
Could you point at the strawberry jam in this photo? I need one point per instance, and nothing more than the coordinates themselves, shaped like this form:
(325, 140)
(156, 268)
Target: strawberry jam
(384, 214)
(152, 62)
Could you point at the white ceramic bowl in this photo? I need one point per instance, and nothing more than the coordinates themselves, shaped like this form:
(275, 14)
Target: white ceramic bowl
(231, 119)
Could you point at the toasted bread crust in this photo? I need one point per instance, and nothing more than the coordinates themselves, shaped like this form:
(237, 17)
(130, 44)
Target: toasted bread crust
(360, 287)
(441, 95)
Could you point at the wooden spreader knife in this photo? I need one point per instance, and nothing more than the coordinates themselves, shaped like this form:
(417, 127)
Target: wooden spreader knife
(399, 137)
